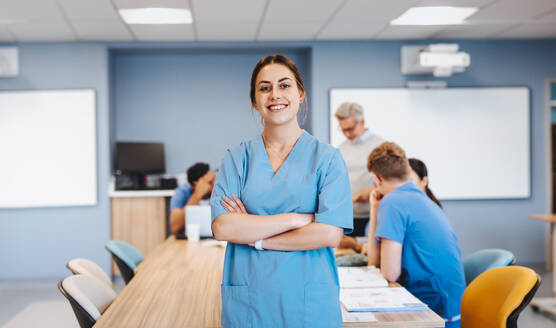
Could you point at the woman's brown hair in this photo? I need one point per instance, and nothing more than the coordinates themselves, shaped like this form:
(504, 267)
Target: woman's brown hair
(421, 170)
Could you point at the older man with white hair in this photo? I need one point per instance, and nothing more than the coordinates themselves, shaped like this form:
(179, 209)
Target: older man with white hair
(355, 150)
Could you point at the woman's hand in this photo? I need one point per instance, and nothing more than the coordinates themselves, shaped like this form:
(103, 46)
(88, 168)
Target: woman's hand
(233, 205)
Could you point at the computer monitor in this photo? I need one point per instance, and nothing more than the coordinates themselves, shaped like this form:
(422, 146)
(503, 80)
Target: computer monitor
(140, 157)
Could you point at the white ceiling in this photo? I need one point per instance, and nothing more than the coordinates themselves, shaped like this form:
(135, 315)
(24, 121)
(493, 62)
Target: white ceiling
(261, 20)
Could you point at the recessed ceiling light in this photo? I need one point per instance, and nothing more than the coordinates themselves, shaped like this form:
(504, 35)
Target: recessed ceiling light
(434, 16)
(156, 16)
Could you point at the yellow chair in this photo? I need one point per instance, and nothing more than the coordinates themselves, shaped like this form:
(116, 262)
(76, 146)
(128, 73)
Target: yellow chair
(496, 297)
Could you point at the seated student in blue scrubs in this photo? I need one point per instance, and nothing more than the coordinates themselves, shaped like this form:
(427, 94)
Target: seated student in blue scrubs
(413, 242)
(282, 200)
(201, 182)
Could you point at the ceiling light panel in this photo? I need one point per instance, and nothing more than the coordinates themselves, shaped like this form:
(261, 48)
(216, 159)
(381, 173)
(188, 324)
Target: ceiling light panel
(434, 16)
(156, 16)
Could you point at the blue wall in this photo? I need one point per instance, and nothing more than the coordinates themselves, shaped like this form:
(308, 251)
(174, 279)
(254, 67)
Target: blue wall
(196, 102)
(36, 243)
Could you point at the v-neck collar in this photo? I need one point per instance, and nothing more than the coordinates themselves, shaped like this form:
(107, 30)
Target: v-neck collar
(286, 160)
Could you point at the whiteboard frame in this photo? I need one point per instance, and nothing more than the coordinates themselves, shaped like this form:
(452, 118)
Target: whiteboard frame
(526, 195)
(92, 198)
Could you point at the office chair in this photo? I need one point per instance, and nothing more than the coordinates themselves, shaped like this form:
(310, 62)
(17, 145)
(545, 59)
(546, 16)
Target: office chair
(496, 297)
(84, 266)
(484, 260)
(88, 297)
(127, 258)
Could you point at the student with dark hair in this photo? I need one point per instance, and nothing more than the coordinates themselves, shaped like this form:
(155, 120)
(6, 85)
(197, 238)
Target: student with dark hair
(420, 177)
(201, 181)
(410, 237)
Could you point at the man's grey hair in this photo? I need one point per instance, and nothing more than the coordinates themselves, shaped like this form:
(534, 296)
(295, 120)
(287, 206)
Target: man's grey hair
(350, 109)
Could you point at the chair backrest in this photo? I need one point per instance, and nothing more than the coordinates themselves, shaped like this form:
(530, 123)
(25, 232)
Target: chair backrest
(84, 266)
(484, 260)
(88, 297)
(496, 297)
(127, 258)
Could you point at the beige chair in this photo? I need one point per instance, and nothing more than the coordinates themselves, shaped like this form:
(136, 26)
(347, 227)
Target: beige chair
(84, 266)
(88, 296)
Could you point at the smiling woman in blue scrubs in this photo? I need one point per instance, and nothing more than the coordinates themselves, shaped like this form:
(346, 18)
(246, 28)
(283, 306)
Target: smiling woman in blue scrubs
(281, 200)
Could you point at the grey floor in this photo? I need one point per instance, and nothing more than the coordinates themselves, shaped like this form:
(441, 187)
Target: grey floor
(40, 304)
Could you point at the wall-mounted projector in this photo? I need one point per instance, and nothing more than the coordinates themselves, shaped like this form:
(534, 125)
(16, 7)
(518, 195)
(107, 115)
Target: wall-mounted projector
(440, 60)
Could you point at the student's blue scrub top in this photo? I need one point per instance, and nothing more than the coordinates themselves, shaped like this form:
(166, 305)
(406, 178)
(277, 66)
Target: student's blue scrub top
(432, 269)
(283, 288)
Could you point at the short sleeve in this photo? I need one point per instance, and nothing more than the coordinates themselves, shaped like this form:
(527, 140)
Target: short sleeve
(227, 182)
(335, 205)
(180, 197)
(391, 223)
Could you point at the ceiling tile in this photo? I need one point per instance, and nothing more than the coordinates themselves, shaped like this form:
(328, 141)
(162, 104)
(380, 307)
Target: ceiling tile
(470, 31)
(89, 10)
(365, 11)
(281, 11)
(43, 31)
(400, 32)
(530, 31)
(243, 11)
(124, 4)
(101, 31)
(291, 31)
(514, 10)
(456, 3)
(225, 32)
(30, 10)
(177, 32)
(349, 31)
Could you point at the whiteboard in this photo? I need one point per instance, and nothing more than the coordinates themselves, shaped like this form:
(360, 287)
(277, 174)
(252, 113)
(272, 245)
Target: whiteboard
(48, 148)
(474, 141)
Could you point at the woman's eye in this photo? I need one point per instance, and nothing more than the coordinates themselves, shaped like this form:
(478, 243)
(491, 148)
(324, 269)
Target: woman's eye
(285, 86)
(265, 88)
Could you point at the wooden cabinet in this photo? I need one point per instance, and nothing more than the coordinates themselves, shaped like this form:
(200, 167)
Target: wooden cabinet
(139, 221)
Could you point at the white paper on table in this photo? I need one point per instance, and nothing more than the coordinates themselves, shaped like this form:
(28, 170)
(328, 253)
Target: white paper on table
(213, 243)
(358, 316)
(380, 299)
(357, 277)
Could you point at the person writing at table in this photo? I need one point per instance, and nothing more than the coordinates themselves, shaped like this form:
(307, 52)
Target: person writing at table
(410, 237)
(201, 182)
(282, 201)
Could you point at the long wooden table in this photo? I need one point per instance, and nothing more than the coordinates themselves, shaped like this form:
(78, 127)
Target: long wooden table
(178, 285)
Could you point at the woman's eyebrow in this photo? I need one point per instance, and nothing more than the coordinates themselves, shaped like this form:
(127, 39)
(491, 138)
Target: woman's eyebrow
(281, 80)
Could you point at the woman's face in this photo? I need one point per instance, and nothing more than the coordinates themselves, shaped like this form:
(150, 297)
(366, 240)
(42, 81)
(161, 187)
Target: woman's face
(277, 97)
(420, 183)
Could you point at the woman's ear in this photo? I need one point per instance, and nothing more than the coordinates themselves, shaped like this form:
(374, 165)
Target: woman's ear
(425, 181)
(377, 180)
(301, 97)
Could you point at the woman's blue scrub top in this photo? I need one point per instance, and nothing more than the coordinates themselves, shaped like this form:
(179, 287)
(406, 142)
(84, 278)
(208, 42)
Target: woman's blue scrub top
(283, 288)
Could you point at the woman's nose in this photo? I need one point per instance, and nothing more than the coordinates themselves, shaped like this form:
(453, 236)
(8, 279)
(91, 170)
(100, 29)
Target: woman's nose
(275, 93)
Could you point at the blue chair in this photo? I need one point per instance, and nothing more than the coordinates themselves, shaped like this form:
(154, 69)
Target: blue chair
(485, 260)
(127, 257)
